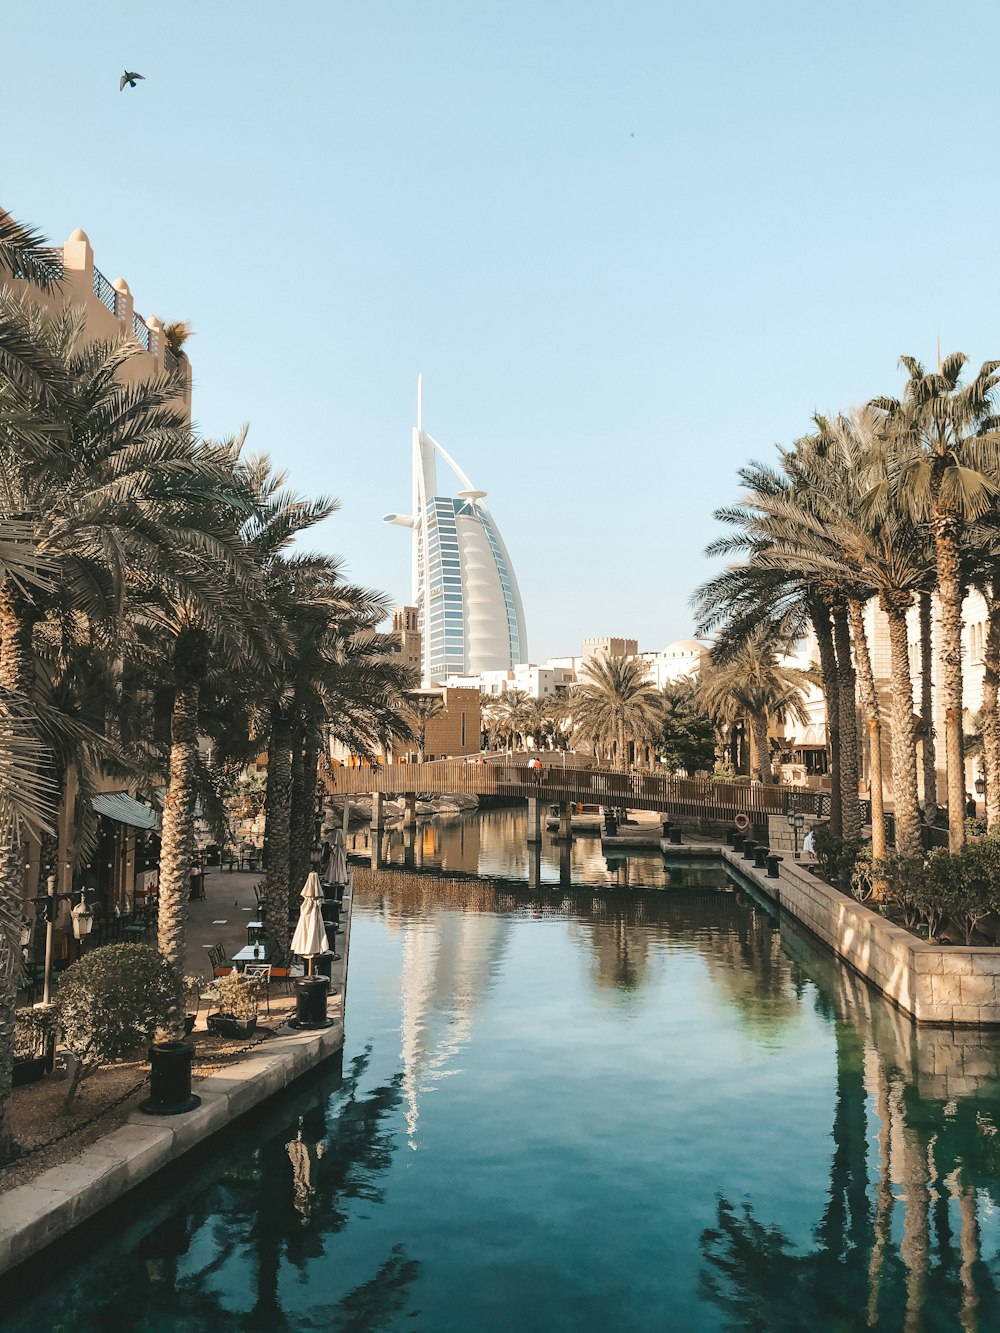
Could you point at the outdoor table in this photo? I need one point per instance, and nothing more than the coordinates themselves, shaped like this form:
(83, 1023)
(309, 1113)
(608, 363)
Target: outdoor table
(255, 930)
(250, 953)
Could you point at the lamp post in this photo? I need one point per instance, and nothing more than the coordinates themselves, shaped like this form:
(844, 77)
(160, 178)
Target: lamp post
(47, 909)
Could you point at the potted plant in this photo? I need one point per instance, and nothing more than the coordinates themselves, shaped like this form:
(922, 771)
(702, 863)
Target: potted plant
(238, 998)
(34, 1042)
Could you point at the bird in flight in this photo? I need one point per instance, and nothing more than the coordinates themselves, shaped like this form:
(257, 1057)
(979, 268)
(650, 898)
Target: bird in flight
(128, 77)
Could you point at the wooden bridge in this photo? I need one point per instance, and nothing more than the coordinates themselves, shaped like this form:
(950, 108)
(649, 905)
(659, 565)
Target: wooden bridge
(512, 778)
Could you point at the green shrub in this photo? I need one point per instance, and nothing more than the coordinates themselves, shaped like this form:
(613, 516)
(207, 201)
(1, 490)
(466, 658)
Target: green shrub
(110, 1002)
(238, 995)
(836, 856)
(33, 1026)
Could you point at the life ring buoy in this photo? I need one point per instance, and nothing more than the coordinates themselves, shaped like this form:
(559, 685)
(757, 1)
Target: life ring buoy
(742, 822)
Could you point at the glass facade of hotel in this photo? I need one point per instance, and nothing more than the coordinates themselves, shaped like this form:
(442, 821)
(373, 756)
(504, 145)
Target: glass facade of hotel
(464, 589)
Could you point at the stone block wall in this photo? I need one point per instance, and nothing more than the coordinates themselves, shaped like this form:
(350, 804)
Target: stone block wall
(934, 983)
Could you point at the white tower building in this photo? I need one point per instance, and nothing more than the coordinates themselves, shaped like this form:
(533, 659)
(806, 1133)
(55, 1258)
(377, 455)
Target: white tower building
(464, 588)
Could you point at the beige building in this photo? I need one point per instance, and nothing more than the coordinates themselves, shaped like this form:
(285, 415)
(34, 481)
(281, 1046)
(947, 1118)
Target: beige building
(109, 311)
(455, 732)
(609, 646)
(405, 626)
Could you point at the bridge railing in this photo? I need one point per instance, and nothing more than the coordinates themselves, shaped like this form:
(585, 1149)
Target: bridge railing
(635, 791)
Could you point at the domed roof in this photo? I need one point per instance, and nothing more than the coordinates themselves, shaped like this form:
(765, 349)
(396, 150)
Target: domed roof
(685, 648)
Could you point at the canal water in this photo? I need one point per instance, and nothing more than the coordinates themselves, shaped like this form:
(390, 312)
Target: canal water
(584, 1106)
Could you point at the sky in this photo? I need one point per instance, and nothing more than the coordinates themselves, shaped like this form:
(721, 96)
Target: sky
(629, 245)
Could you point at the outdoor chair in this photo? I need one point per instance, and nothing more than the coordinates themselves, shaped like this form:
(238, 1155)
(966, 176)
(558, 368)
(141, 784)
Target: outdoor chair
(221, 966)
(285, 975)
(263, 971)
(140, 925)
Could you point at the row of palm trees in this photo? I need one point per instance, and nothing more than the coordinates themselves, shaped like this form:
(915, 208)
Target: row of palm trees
(894, 502)
(614, 711)
(151, 595)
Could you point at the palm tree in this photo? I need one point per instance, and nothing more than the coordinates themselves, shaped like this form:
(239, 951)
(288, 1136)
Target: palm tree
(792, 600)
(615, 707)
(24, 253)
(88, 460)
(750, 682)
(870, 555)
(419, 709)
(945, 472)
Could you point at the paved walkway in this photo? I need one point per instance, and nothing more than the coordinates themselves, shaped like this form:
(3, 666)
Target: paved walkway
(222, 917)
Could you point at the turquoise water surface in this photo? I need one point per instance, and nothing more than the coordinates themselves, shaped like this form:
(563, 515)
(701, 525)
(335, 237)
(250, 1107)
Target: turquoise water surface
(583, 1108)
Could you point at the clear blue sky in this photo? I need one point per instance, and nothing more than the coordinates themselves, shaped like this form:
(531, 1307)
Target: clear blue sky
(630, 245)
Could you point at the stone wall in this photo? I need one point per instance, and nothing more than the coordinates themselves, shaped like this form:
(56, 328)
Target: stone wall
(935, 983)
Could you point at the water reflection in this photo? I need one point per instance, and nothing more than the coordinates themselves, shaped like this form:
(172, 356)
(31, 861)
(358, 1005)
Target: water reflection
(585, 1108)
(493, 844)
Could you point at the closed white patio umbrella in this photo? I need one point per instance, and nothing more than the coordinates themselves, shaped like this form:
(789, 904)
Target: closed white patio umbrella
(338, 873)
(310, 931)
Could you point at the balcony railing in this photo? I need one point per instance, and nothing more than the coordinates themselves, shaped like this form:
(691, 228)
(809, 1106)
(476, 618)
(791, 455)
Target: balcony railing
(104, 291)
(140, 331)
(50, 261)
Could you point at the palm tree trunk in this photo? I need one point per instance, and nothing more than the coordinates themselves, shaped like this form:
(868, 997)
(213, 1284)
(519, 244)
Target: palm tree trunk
(762, 756)
(847, 686)
(305, 757)
(946, 552)
(904, 758)
(873, 719)
(177, 839)
(820, 617)
(991, 720)
(277, 817)
(17, 676)
(928, 750)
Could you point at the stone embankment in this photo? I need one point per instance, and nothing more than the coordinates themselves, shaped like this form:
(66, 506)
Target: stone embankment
(933, 983)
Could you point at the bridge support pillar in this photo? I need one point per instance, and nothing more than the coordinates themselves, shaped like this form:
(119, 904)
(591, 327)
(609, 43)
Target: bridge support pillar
(410, 812)
(409, 846)
(565, 833)
(565, 874)
(378, 812)
(534, 820)
(534, 865)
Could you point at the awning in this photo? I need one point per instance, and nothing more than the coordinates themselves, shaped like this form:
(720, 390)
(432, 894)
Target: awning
(118, 805)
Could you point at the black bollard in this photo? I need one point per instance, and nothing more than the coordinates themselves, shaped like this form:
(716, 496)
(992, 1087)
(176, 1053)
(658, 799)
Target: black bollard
(675, 837)
(772, 865)
(760, 858)
(310, 1003)
(170, 1079)
(738, 841)
(666, 828)
(731, 836)
(748, 846)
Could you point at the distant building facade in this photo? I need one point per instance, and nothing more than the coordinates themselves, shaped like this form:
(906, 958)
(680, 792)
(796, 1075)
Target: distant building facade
(405, 627)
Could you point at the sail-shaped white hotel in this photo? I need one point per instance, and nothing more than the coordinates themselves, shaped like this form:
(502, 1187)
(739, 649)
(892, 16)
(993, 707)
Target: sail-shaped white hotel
(468, 604)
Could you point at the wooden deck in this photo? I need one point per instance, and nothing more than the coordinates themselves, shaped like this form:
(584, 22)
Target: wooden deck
(695, 797)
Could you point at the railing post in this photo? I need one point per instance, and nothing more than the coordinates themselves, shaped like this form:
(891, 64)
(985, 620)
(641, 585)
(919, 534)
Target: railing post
(157, 342)
(124, 306)
(78, 270)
